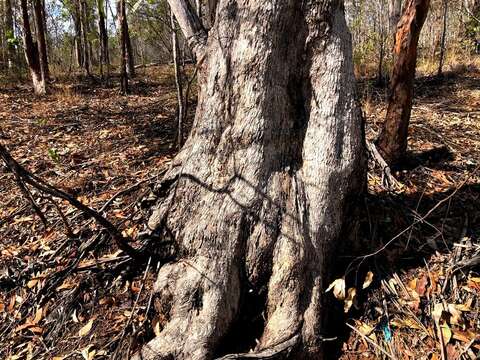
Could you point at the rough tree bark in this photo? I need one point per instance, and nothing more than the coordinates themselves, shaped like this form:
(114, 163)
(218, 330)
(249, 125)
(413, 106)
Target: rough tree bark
(11, 53)
(212, 8)
(178, 80)
(31, 53)
(41, 40)
(122, 25)
(84, 33)
(263, 191)
(392, 142)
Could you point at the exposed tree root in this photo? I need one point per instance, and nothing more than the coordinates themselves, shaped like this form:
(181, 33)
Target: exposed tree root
(279, 351)
(24, 176)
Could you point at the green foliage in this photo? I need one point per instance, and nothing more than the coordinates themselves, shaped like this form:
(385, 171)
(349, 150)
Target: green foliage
(41, 122)
(472, 30)
(54, 155)
(11, 39)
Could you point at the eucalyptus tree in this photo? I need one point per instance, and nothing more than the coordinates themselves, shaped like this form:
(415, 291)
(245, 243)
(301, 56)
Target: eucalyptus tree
(393, 138)
(32, 54)
(263, 192)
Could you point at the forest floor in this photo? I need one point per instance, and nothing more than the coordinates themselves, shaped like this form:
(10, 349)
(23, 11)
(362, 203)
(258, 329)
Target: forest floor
(66, 291)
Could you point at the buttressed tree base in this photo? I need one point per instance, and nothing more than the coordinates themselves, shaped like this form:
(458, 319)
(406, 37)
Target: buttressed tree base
(264, 189)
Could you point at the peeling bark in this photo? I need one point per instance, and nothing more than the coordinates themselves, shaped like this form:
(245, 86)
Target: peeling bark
(392, 142)
(263, 191)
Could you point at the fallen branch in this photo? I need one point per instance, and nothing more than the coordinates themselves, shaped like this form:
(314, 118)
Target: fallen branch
(28, 178)
(388, 179)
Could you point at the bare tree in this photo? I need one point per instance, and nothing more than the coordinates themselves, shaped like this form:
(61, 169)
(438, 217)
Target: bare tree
(392, 141)
(263, 192)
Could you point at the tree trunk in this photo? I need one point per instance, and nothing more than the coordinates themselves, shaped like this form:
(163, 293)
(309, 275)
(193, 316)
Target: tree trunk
(392, 142)
(41, 41)
(102, 31)
(31, 53)
(76, 15)
(442, 41)
(178, 80)
(130, 56)
(123, 47)
(263, 191)
(10, 34)
(123, 28)
(84, 32)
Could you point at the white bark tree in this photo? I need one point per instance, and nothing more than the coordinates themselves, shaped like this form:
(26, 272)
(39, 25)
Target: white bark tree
(264, 190)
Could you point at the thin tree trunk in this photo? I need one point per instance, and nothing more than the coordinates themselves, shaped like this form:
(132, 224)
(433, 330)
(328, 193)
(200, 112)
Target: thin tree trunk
(442, 41)
(102, 31)
(178, 80)
(123, 47)
(10, 34)
(84, 32)
(31, 53)
(262, 193)
(41, 40)
(130, 56)
(3, 37)
(392, 142)
(76, 15)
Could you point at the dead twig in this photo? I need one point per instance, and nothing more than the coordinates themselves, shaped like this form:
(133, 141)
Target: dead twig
(388, 180)
(127, 191)
(270, 353)
(371, 342)
(415, 222)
